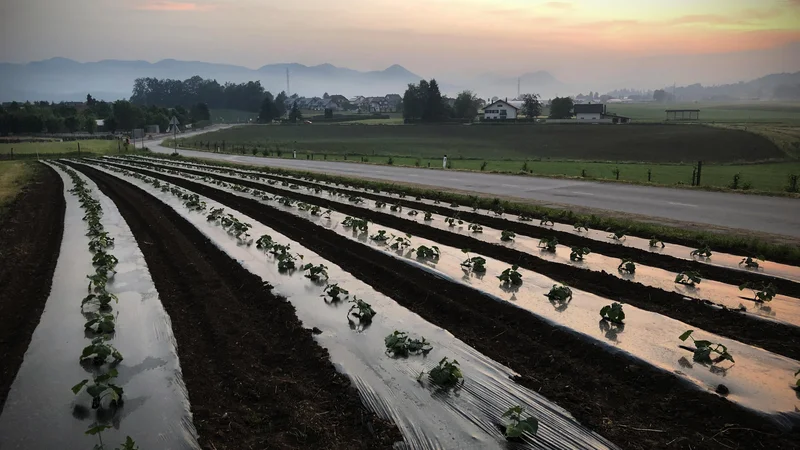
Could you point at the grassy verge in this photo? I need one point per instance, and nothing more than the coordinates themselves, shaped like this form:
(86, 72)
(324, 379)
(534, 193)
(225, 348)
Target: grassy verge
(719, 239)
(23, 149)
(14, 175)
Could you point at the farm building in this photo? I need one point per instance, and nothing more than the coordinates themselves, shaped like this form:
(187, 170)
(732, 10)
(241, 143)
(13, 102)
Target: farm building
(591, 111)
(500, 110)
(683, 114)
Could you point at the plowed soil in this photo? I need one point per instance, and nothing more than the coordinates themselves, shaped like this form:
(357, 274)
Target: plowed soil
(30, 242)
(256, 378)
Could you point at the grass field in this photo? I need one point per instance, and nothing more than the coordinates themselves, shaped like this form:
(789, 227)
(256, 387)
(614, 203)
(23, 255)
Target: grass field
(751, 112)
(650, 142)
(232, 116)
(98, 146)
(13, 176)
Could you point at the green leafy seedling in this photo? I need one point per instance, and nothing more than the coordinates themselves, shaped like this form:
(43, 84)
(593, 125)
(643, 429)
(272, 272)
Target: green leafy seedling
(762, 292)
(336, 293)
(626, 266)
(101, 298)
(702, 252)
(413, 212)
(315, 273)
(704, 350)
(688, 278)
(507, 236)
(613, 313)
(446, 374)
(379, 204)
(399, 344)
(100, 323)
(361, 310)
(617, 235)
(428, 217)
(511, 276)
(656, 242)
(264, 242)
(518, 426)
(429, 253)
(100, 388)
(548, 244)
(546, 222)
(524, 218)
(475, 228)
(559, 293)
(397, 207)
(381, 236)
(475, 263)
(578, 253)
(99, 352)
(579, 226)
(356, 224)
(751, 263)
(401, 243)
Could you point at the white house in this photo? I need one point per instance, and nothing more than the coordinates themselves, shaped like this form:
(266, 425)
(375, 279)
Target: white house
(500, 110)
(592, 111)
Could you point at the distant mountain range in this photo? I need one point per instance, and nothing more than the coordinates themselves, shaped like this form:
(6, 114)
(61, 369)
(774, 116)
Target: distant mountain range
(60, 79)
(782, 86)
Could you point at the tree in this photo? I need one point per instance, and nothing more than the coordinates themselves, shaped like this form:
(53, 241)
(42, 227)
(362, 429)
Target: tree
(328, 113)
(181, 114)
(127, 115)
(466, 105)
(434, 106)
(269, 110)
(110, 124)
(561, 108)
(295, 115)
(200, 112)
(280, 104)
(54, 124)
(660, 95)
(412, 104)
(326, 96)
(531, 105)
(90, 101)
(89, 123)
(72, 124)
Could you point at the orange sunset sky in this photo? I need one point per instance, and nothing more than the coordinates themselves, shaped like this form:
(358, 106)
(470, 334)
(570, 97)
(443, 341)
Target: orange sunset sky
(678, 40)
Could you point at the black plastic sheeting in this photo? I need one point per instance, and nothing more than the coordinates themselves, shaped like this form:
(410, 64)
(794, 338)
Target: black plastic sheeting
(41, 411)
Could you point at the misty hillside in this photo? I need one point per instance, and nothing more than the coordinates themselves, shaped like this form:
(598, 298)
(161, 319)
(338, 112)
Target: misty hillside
(60, 79)
(779, 86)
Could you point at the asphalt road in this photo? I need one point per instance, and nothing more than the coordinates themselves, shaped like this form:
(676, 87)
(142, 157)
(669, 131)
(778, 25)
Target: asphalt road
(750, 212)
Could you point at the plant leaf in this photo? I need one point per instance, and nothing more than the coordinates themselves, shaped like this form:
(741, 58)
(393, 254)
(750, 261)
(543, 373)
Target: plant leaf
(686, 335)
(77, 388)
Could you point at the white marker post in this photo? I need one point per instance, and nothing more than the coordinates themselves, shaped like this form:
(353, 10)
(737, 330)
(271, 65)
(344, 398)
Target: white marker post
(174, 124)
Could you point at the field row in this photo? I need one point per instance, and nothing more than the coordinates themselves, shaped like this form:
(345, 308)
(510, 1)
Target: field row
(452, 271)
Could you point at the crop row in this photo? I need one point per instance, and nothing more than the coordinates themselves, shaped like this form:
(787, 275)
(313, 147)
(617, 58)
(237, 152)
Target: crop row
(99, 357)
(446, 375)
(705, 352)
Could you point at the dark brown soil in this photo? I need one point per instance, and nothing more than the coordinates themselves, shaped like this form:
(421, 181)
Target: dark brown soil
(773, 336)
(30, 241)
(626, 400)
(256, 378)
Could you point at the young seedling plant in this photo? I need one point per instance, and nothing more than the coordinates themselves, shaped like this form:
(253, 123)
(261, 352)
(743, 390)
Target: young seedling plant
(264, 242)
(398, 344)
(475, 263)
(579, 226)
(101, 388)
(617, 235)
(751, 263)
(704, 350)
(446, 374)
(428, 253)
(689, 278)
(578, 253)
(336, 293)
(507, 236)
(613, 313)
(99, 353)
(475, 228)
(626, 266)
(401, 243)
(524, 218)
(379, 204)
(99, 323)
(361, 310)
(397, 207)
(560, 294)
(428, 217)
(546, 222)
(356, 224)
(702, 252)
(762, 292)
(548, 244)
(381, 236)
(510, 276)
(315, 273)
(518, 426)
(656, 242)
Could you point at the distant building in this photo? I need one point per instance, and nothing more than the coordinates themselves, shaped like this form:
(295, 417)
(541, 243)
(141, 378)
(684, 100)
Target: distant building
(500, 110)
(592, 111)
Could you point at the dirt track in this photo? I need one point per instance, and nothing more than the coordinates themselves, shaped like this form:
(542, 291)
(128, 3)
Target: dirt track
(610, 393)
(256, 378)
(29, 246)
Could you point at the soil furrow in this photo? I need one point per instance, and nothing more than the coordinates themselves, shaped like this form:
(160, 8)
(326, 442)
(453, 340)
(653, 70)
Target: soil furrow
(256, 378)
(30, 244)
(622, 398)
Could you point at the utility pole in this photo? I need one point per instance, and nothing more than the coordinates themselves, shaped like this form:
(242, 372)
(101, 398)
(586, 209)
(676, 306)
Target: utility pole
(288, 91)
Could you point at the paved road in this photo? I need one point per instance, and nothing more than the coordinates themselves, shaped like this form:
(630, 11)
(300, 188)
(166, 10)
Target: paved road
(751, 212)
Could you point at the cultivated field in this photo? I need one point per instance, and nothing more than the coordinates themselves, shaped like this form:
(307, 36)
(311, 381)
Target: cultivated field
(744, 112)
(500, 327)
(650, 143)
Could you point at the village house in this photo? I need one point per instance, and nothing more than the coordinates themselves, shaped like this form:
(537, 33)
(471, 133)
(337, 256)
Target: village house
(500, 110)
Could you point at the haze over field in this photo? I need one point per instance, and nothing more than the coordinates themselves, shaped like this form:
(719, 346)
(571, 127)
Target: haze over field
(557, 47)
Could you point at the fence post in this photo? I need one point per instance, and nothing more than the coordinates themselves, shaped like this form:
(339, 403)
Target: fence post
(699, 171)
(223, 146)
(79, 148)
(694, 175)
(649, 174)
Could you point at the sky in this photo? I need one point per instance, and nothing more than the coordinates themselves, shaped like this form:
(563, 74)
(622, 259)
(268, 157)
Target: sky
(639, 41)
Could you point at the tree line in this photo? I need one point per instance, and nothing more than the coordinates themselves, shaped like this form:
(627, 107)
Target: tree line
(121, 115)
(167, 92)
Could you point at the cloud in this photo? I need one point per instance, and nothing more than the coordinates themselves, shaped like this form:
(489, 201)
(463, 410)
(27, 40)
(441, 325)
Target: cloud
(559, 5)
(159, 5)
